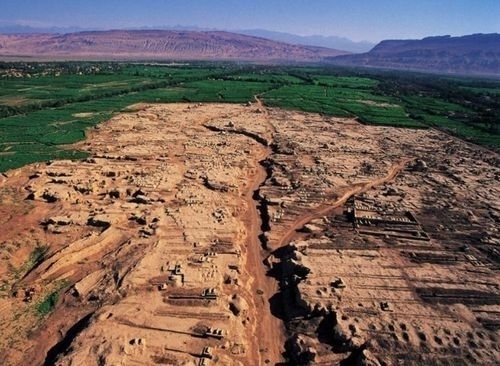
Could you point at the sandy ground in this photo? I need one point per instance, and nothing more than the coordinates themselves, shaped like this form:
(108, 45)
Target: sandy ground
(240, 235)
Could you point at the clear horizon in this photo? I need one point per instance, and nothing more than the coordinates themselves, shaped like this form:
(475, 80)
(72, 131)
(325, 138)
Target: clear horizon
(370, 21)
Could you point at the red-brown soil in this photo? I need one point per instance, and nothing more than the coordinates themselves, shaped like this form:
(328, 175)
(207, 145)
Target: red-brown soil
(324, 241)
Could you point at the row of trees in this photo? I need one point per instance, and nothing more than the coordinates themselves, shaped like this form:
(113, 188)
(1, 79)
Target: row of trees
(66, 68)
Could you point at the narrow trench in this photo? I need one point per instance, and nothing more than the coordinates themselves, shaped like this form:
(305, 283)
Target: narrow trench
(63, 346)
(254, 136)
(261, 202)
(262, 206)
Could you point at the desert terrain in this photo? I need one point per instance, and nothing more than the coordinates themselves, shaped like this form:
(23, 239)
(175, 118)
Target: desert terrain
(225, 234)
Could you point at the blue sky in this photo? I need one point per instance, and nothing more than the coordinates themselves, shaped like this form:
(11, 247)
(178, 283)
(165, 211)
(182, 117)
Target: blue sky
(371, 20)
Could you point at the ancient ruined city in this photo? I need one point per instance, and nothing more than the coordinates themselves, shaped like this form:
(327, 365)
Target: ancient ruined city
(190, 236)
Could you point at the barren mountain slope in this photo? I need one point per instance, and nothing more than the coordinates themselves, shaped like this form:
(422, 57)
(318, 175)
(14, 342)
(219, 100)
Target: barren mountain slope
(168, 45)
(471, 54)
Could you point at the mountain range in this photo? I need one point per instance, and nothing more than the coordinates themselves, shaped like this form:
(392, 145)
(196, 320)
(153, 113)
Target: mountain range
(159, 45)
(477, 54)
(340, 43)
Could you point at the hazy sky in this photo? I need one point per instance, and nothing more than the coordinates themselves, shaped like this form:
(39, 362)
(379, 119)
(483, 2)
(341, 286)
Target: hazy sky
(371, 20)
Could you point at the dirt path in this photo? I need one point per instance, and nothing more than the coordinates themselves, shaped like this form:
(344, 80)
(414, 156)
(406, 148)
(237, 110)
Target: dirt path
(349, 191)
(268, 332)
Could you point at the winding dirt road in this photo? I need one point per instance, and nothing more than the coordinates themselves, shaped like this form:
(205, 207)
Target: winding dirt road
(347, 193)
(268, 332)
(269, 335)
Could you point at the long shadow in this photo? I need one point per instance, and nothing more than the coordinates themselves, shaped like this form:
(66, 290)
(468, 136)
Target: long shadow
(63, 346)
(276, 305)
(354, 358)
(284, 251)
(275, 272)
(281, 253)
(325, 329)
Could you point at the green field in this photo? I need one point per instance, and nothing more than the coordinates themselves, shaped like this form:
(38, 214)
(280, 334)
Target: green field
(44, 106)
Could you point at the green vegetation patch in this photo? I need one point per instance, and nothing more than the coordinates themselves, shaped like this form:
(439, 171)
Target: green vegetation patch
(232, 91)
(335, 98)
(49, 302)
(38, 254)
